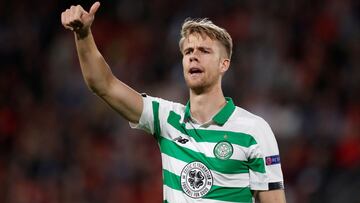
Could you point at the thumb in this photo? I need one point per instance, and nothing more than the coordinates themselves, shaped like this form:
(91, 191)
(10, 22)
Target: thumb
(94, 8)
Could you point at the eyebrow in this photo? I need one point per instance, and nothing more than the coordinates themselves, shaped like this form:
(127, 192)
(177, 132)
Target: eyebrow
(205, 48)
(199, 48)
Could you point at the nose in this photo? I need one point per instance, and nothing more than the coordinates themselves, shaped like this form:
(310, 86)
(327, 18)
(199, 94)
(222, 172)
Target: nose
(194, 56)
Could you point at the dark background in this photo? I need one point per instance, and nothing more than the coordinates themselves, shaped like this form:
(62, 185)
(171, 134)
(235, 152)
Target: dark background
(295, 63)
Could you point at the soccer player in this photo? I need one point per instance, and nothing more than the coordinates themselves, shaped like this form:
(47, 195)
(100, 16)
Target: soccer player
(212, 151)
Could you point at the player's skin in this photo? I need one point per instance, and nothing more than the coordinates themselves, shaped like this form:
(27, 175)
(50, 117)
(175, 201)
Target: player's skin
(204, 63)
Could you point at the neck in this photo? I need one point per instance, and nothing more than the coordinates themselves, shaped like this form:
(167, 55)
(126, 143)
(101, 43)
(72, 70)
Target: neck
(205, 105)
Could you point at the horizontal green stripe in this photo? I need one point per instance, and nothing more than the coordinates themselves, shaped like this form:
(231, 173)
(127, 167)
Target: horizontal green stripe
(228, 166)
(236, 194)
(171, 180)
(256, 164)
(214, 136)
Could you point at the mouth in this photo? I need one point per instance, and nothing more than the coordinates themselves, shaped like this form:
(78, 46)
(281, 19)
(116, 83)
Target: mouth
(195, 70)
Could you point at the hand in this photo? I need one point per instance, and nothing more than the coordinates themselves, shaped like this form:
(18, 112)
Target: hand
(77, 19)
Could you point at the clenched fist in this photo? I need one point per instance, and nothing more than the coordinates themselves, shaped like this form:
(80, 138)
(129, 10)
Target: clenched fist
(78, 20)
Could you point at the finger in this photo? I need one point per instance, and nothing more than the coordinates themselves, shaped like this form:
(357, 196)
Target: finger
(79, 11)
(69, 27)
(71, 13)
(66, 23)
(76, 22)
(63, 18)
(94, 8)
(67, 17)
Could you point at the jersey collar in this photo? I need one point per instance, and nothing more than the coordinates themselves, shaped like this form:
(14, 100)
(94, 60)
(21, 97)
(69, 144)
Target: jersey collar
(221, 117)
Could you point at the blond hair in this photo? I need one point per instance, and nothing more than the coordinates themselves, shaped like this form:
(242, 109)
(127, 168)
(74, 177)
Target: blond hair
(205, 26)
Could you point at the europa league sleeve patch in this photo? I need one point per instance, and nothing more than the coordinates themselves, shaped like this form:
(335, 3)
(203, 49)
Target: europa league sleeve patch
(271, 160)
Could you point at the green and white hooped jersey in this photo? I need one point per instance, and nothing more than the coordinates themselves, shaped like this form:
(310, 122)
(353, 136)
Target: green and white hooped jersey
(220, 161)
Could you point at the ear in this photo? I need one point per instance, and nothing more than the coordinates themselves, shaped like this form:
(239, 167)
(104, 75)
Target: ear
(224, 65)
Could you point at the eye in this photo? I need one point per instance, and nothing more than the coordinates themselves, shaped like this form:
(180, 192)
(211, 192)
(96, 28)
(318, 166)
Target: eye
(204, 50)
(187, 52)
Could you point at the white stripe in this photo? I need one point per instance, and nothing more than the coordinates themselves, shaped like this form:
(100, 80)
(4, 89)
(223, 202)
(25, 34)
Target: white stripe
(171, 164)
(175, 196)
(254, 151)
(242, 125)
(231, 180)
(206, 148)
(223, 180)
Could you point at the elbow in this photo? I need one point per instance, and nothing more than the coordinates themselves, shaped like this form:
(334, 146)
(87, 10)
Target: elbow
(99, 87)
(93, 85)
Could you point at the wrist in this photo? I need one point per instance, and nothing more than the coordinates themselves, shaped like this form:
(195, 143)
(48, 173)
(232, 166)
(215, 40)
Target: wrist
(82, 33)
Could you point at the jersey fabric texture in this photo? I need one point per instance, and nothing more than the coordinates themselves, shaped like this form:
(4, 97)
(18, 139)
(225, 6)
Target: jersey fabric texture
(220, 161)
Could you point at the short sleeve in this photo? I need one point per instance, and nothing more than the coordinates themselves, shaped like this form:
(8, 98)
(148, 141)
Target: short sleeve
(146, 121)
(267, 152)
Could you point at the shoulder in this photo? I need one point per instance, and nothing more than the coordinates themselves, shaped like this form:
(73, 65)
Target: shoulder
(254, 126)
(247, 119)
(249, 123)
(163, 105)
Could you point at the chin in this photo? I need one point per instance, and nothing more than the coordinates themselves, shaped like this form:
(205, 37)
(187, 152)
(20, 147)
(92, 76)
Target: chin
(193, 83)
(196, 86)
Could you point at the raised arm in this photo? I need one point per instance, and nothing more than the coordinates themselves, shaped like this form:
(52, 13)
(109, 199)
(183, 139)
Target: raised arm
(95, 70)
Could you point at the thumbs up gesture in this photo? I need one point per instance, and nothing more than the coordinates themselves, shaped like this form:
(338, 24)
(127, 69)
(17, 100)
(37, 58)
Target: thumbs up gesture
(77, 19)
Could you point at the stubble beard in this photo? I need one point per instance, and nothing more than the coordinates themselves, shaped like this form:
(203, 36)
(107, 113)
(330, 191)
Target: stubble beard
(200, 86)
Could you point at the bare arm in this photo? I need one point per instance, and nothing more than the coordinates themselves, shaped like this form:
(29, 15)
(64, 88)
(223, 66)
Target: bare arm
(271, 196)
(96, 72)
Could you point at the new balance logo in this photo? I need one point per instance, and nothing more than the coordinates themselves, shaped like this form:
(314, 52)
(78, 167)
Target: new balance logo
(181, 140)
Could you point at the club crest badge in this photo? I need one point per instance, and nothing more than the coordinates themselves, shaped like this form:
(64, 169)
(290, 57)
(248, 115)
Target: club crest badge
(196, 180)
(223, 150)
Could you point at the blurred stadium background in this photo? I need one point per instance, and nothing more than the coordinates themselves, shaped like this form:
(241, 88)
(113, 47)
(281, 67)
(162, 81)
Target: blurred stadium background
(296, 63)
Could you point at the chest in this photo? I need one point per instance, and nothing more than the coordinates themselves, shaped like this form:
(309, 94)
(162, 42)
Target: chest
(218, 150)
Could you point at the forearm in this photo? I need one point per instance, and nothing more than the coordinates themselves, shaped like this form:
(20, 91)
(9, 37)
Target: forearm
(99, 78)
(95, 70)
(272, 196)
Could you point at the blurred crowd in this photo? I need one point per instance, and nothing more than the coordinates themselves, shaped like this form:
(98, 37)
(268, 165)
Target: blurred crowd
(296, 63)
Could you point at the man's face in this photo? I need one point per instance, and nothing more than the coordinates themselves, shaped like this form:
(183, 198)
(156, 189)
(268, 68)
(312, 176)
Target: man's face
(204, 62)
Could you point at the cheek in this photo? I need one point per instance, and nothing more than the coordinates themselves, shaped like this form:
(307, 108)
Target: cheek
(184, 63)
(184, 60)
(214, 65)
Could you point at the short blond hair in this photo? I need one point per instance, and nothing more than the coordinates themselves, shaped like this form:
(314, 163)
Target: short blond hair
(207, 27)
